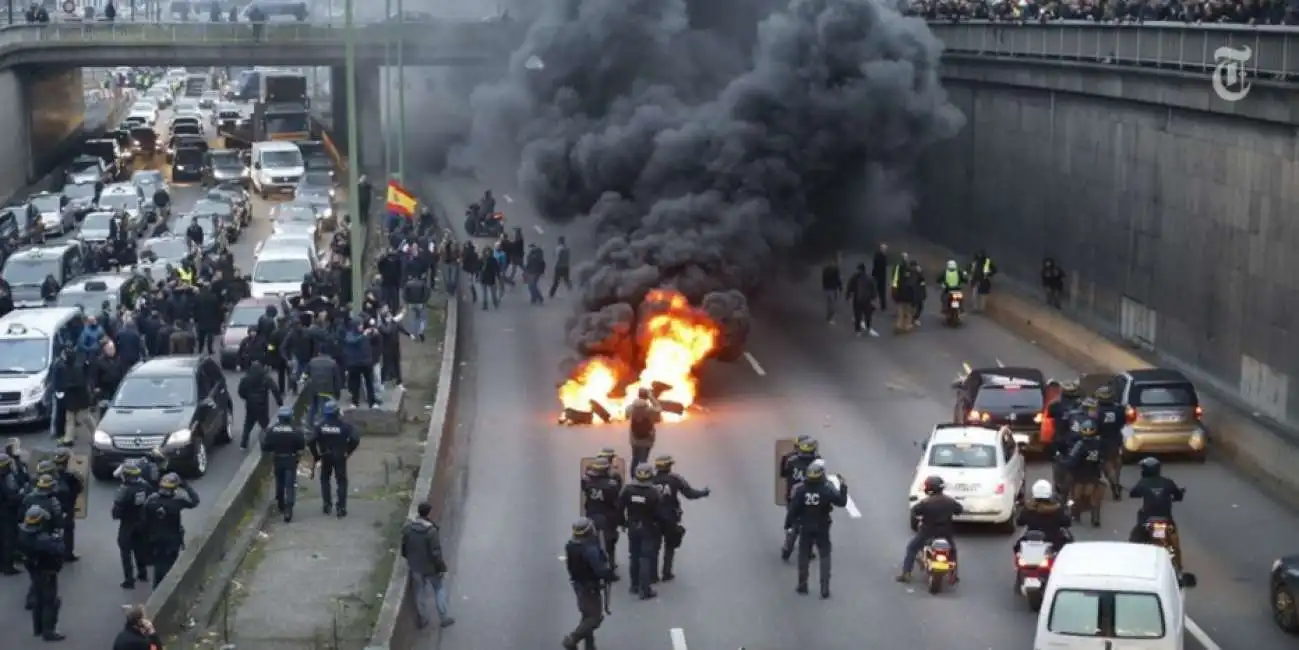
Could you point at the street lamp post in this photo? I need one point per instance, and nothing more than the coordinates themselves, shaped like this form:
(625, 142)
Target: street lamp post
(386, 77)
(401, 93)
(353, 174)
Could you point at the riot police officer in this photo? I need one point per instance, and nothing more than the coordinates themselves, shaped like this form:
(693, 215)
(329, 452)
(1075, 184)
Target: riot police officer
(793, 468)
(1062, 413)
(132, 525)
(44, 494)
(809, 512)
(331, 445)
(1109, 426)
(70, 487)
(611, 456)
(590, 572)
(285, 443)
(11, 501)
(163, 521)
(1085, 472)
(600, 492)
(43, 553)
(672, 487)
(642, 510)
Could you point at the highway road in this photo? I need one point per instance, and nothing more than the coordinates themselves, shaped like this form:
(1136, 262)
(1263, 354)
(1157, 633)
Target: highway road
(867, 401)
(90, 588)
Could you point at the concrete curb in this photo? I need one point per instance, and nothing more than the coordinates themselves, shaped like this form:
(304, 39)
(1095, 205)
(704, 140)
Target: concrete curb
(395, 625)
(1239, 438)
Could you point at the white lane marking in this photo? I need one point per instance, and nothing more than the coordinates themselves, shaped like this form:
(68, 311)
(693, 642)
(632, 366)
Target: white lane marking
(852, 509)
(507, 198)
(753, 363)
(678, 637)
(539, 230)
(1200, 635)
(1000, 364)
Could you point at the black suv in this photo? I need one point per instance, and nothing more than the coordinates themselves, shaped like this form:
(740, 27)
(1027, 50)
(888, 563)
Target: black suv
(1003, 396)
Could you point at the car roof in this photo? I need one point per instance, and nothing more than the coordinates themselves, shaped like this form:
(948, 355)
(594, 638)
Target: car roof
(168, 366)
(279, 253)
(1111, 559)
(111, 282)
(20, 323)
(1157, 376)
(120, 188)
(956, 433)
(269, 301)
(1002, 376)
(39, 252)
(276, 146)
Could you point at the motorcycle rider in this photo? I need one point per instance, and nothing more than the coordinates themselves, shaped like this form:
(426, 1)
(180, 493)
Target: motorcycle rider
(935, 515)
(1045, 514)
(600, 488)
(1085, 471)
(672, 487)
(1110, 427)
(793, 468)
(951, 279)
(1157, 494)
(810, 507)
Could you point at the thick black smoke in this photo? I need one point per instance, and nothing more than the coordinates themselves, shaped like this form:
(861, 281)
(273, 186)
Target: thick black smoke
(704, 161)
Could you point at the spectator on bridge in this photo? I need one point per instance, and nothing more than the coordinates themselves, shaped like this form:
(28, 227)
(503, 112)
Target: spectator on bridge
(215, 14)
(110, 12)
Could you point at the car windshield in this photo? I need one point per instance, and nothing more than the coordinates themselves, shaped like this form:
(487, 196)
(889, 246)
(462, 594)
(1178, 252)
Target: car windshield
(227, 161)
(282, 159)
(119, 202)
(147, 176)
(24, 356)
(1182, 394)
(287, 123)
(155, 393)
(142, 107)
(316, 180)
(174, 248)
(79, 191)
(963, 454)
(47, 203)
(96, 221)
(290, 212)
(87, 301)
(1007, 399)
(188, 156)
(282, 270)
(29, 272)
(209, 206)
(83, 165)
(186, 106)
(246, 316)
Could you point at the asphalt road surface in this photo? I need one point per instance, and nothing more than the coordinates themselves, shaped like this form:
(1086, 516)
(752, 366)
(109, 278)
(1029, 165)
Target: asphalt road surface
(90, 588)
(867, 401)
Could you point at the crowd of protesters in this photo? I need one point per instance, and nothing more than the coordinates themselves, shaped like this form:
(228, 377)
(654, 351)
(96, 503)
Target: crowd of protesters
(1238, 12)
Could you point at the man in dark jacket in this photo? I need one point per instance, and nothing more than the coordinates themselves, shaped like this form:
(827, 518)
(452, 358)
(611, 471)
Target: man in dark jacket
(207, 318)
(861, 295)
(358, 355)
(422, 548)
(416, 295)
(256, 389)
(72, 391)
(880, 274)
(130, 344)
(182, 340)
(324, 381)
(138, 634)
(489, 275)
(534, 266)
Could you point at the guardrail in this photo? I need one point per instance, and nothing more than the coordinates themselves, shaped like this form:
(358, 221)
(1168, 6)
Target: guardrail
(1273, 51)
(445, 33)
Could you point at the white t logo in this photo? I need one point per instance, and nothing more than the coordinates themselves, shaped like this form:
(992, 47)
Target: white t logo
(1229, 81)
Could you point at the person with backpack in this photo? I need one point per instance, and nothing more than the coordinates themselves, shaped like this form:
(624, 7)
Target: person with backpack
(643, 415)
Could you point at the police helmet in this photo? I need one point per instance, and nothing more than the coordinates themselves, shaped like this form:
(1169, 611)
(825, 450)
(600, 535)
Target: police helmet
(170, 481)
(582, 527)
(664, 463)
(598, 467)
(62, 456)
(1104, 393)
(130, 468)
(35, 516)
(330, 409)
(46, 467)
(607, 453)
(815, 471)
(1087, 428)
(644, 472)
(45, 482)
(1070, 389)
(807, 445)
(285, 414)
(934, 485)
(1042, 490)
(1149, 466)
(6, 461)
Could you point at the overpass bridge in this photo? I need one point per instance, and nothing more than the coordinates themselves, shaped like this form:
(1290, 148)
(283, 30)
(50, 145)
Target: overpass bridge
(1170, 207)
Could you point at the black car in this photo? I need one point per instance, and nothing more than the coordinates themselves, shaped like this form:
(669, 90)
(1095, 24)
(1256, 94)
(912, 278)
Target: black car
(315, 157)
(1003, 396)
(188, 164)
(178, 142)
(177, 404)
(144, 140)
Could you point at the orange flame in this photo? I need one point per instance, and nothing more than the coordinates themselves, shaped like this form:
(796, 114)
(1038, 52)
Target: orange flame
(673, 342)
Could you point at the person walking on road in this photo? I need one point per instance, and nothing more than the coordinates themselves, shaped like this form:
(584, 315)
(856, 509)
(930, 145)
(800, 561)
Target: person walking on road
(422, 548)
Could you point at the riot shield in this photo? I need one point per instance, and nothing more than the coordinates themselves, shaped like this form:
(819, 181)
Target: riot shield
(79, 465)
(784, 447)
(619, 465)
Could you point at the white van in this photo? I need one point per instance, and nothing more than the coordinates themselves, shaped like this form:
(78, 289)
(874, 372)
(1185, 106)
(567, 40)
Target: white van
(29, 341)
(277, 167)
(1126, 595)
(279, 271)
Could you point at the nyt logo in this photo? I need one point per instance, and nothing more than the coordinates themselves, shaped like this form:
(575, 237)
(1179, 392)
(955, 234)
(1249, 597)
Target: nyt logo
(1229, 81)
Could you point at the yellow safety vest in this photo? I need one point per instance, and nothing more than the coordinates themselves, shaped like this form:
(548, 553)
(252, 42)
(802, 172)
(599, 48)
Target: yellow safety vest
(987, 266)
(952, 280)
(897, 270)
(185, 276)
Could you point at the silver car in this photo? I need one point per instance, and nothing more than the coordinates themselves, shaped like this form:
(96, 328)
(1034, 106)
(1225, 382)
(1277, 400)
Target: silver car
(157, 252)
(86, 169)
(57, 218)
(294, 218)
(81, 197)
(95, 228)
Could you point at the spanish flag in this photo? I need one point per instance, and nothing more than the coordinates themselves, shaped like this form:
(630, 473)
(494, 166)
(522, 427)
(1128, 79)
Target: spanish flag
(400, 200)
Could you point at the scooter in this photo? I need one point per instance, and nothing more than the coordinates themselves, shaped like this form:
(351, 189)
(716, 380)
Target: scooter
(1033, 567)
(938, 564)
(952, 307)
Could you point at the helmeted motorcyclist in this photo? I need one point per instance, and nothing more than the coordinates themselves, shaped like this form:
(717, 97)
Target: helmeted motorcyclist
(1157, 494)
(935, 515)
(951, 279)
(1045, 514)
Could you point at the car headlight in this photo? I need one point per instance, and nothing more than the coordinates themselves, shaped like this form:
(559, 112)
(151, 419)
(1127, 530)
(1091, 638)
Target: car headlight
(35, 392)
(332, 193)
(179, 438)
(245, 172)
(103, 439)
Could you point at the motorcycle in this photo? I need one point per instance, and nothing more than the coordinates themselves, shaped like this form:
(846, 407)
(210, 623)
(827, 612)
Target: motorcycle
(936, 560)
(954, 303)
(1033, 568)
(486, 225)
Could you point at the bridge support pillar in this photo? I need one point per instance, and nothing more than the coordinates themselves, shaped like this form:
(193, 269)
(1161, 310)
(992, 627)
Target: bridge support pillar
(369, 126)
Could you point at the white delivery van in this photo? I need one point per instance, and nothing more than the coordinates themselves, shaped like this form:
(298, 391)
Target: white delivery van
(1112, 595)
(277, 167)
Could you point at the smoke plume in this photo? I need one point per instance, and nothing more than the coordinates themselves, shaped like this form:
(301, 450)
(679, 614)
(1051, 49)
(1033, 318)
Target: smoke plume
(704, 149)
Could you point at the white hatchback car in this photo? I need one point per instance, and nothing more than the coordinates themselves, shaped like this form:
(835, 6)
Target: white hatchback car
(983, 468)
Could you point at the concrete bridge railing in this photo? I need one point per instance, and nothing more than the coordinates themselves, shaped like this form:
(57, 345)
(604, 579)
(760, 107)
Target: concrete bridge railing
(1273, 51)
(180, 33)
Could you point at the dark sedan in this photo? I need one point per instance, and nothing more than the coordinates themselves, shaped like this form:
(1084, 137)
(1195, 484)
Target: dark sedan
(178, 404)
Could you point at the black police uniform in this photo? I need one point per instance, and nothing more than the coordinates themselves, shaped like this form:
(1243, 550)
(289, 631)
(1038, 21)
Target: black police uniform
(1157, 494)
(257, 388)
(1085, 471)
(672, 487)
(70, 486)
(645, 517)
(1111, 417)
(166, 531)
(285, 443)
(43, 553)
(589, 571)
(935, 514)
(793, 468)
(11, 501)
(333, 442)
(1047, 517)
(47, 500)
(132, 530)
(809, 511)
(601, 507)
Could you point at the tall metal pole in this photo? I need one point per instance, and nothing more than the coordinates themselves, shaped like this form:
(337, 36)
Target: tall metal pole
(353, 164)
(386, 95)
(401, 92)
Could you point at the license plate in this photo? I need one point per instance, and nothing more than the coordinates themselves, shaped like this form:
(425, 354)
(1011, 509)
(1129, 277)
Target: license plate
(1032, 583)
(1165, 418)
(955, 304)
(1021, 438)
(965, 487)
(1159, 533)
(939, 566)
